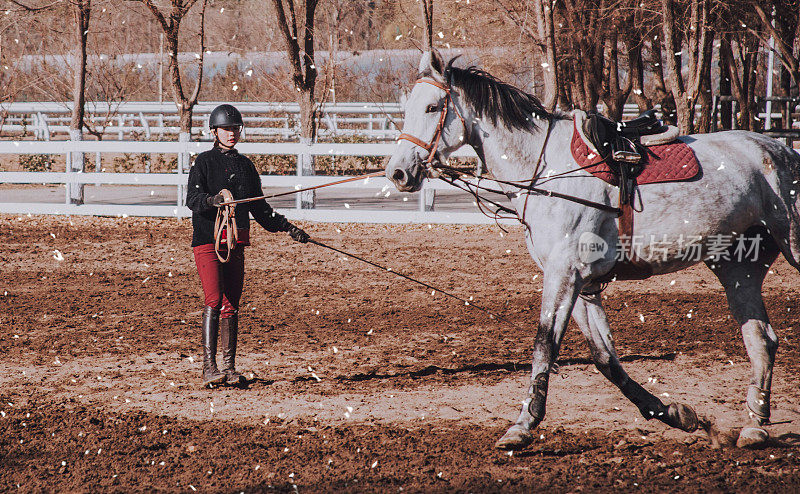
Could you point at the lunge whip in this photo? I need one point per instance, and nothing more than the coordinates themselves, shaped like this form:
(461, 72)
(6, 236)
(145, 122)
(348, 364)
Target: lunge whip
(426, 285)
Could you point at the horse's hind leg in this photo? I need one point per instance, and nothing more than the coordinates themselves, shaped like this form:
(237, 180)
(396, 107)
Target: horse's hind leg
(742, 279)
(591, 318)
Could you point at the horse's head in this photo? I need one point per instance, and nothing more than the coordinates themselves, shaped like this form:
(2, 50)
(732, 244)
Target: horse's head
(433, 127)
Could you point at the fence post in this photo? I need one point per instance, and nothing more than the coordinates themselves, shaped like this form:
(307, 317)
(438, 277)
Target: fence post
(44, 130)
(305, 167)
(427, 197)
(74, 164)
(183, 164)
(145, 125)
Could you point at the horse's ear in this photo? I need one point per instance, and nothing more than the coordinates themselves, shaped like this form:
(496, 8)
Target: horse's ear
(403, 99)
(431, 63)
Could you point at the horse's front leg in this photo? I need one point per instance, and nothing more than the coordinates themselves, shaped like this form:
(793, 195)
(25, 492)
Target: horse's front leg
(559, 291)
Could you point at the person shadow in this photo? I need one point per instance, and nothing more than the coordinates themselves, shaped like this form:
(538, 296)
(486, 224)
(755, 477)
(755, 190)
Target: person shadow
(253, 382)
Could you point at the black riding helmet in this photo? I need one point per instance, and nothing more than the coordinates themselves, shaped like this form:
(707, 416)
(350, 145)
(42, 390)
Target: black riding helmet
(225, 116)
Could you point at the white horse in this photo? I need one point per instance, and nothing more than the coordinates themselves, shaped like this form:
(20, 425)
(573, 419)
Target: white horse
(747, 192)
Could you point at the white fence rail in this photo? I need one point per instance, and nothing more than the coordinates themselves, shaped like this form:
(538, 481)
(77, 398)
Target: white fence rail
(424, 213)
(50, 120)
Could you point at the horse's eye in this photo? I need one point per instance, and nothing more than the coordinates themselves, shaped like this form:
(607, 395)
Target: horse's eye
(431, 108)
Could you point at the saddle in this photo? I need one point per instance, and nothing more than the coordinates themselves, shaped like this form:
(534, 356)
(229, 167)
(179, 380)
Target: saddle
(620, 144)
(629, 154)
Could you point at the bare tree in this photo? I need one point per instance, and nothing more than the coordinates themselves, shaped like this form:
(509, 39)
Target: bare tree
(82, 10)
(543, 12)
(634, 40)
(616, 89)
(81, 13)
(742, 75)
(586, 22)
(784, 28)
(171, 24)
(295, 23)
(543, 37)
(14, 79)
(699, 38)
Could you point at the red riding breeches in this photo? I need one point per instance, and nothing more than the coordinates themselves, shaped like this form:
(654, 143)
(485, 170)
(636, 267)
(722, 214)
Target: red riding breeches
(222, 282)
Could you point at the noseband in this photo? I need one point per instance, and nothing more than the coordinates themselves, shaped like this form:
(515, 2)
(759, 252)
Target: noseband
(432, 145)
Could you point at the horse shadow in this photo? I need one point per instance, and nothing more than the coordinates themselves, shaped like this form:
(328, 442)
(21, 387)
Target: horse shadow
(787, 440)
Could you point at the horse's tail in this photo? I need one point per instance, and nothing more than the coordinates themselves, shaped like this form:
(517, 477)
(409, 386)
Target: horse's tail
(786, 162)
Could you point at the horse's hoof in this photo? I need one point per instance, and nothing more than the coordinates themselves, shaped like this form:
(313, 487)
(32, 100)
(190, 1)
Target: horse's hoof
(683, 417)
(752, 438)
(516, 438)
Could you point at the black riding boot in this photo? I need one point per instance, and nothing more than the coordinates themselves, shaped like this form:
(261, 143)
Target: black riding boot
(211, 375)
(229, 333)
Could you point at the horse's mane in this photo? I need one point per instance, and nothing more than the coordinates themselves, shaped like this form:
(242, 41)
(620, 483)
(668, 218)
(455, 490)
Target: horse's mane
(498, 100)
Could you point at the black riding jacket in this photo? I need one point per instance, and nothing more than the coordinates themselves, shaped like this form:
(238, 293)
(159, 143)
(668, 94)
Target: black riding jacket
(215, 170)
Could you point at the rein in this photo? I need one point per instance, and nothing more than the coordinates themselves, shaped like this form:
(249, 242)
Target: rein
(226, 221)
(455, 174)
(269, 196)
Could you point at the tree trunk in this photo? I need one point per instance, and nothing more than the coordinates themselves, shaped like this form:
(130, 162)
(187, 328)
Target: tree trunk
(750, 95)
(672, 75)
(698, 50)
(636, 73)
(704, 95)
(82, 10)
(743, 86)
(304, 76)
(725, 107)
(660, 92)
(305, 161)
(543, 12)
(614, 94)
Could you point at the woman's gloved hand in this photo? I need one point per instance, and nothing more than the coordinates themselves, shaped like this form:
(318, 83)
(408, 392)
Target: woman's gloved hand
(216, 200)
(298, 235)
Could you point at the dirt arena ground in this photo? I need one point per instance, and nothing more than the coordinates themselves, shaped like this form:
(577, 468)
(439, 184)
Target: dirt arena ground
(360, 381)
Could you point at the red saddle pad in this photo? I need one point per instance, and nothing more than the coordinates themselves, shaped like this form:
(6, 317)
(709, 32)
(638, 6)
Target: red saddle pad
(672, 162)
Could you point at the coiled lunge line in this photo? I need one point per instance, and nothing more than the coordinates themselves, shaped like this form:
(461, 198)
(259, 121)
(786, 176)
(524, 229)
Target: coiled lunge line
(225, 224)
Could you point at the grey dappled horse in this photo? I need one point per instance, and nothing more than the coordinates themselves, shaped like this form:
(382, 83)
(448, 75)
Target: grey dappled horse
(747, 186)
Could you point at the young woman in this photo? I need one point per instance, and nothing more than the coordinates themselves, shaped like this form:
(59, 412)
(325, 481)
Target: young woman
(220, 168)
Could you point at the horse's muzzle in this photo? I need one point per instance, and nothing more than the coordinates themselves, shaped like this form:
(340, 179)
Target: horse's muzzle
(405, 180)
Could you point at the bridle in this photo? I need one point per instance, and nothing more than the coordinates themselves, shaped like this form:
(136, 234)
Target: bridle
(432, 145)
(433, 171)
